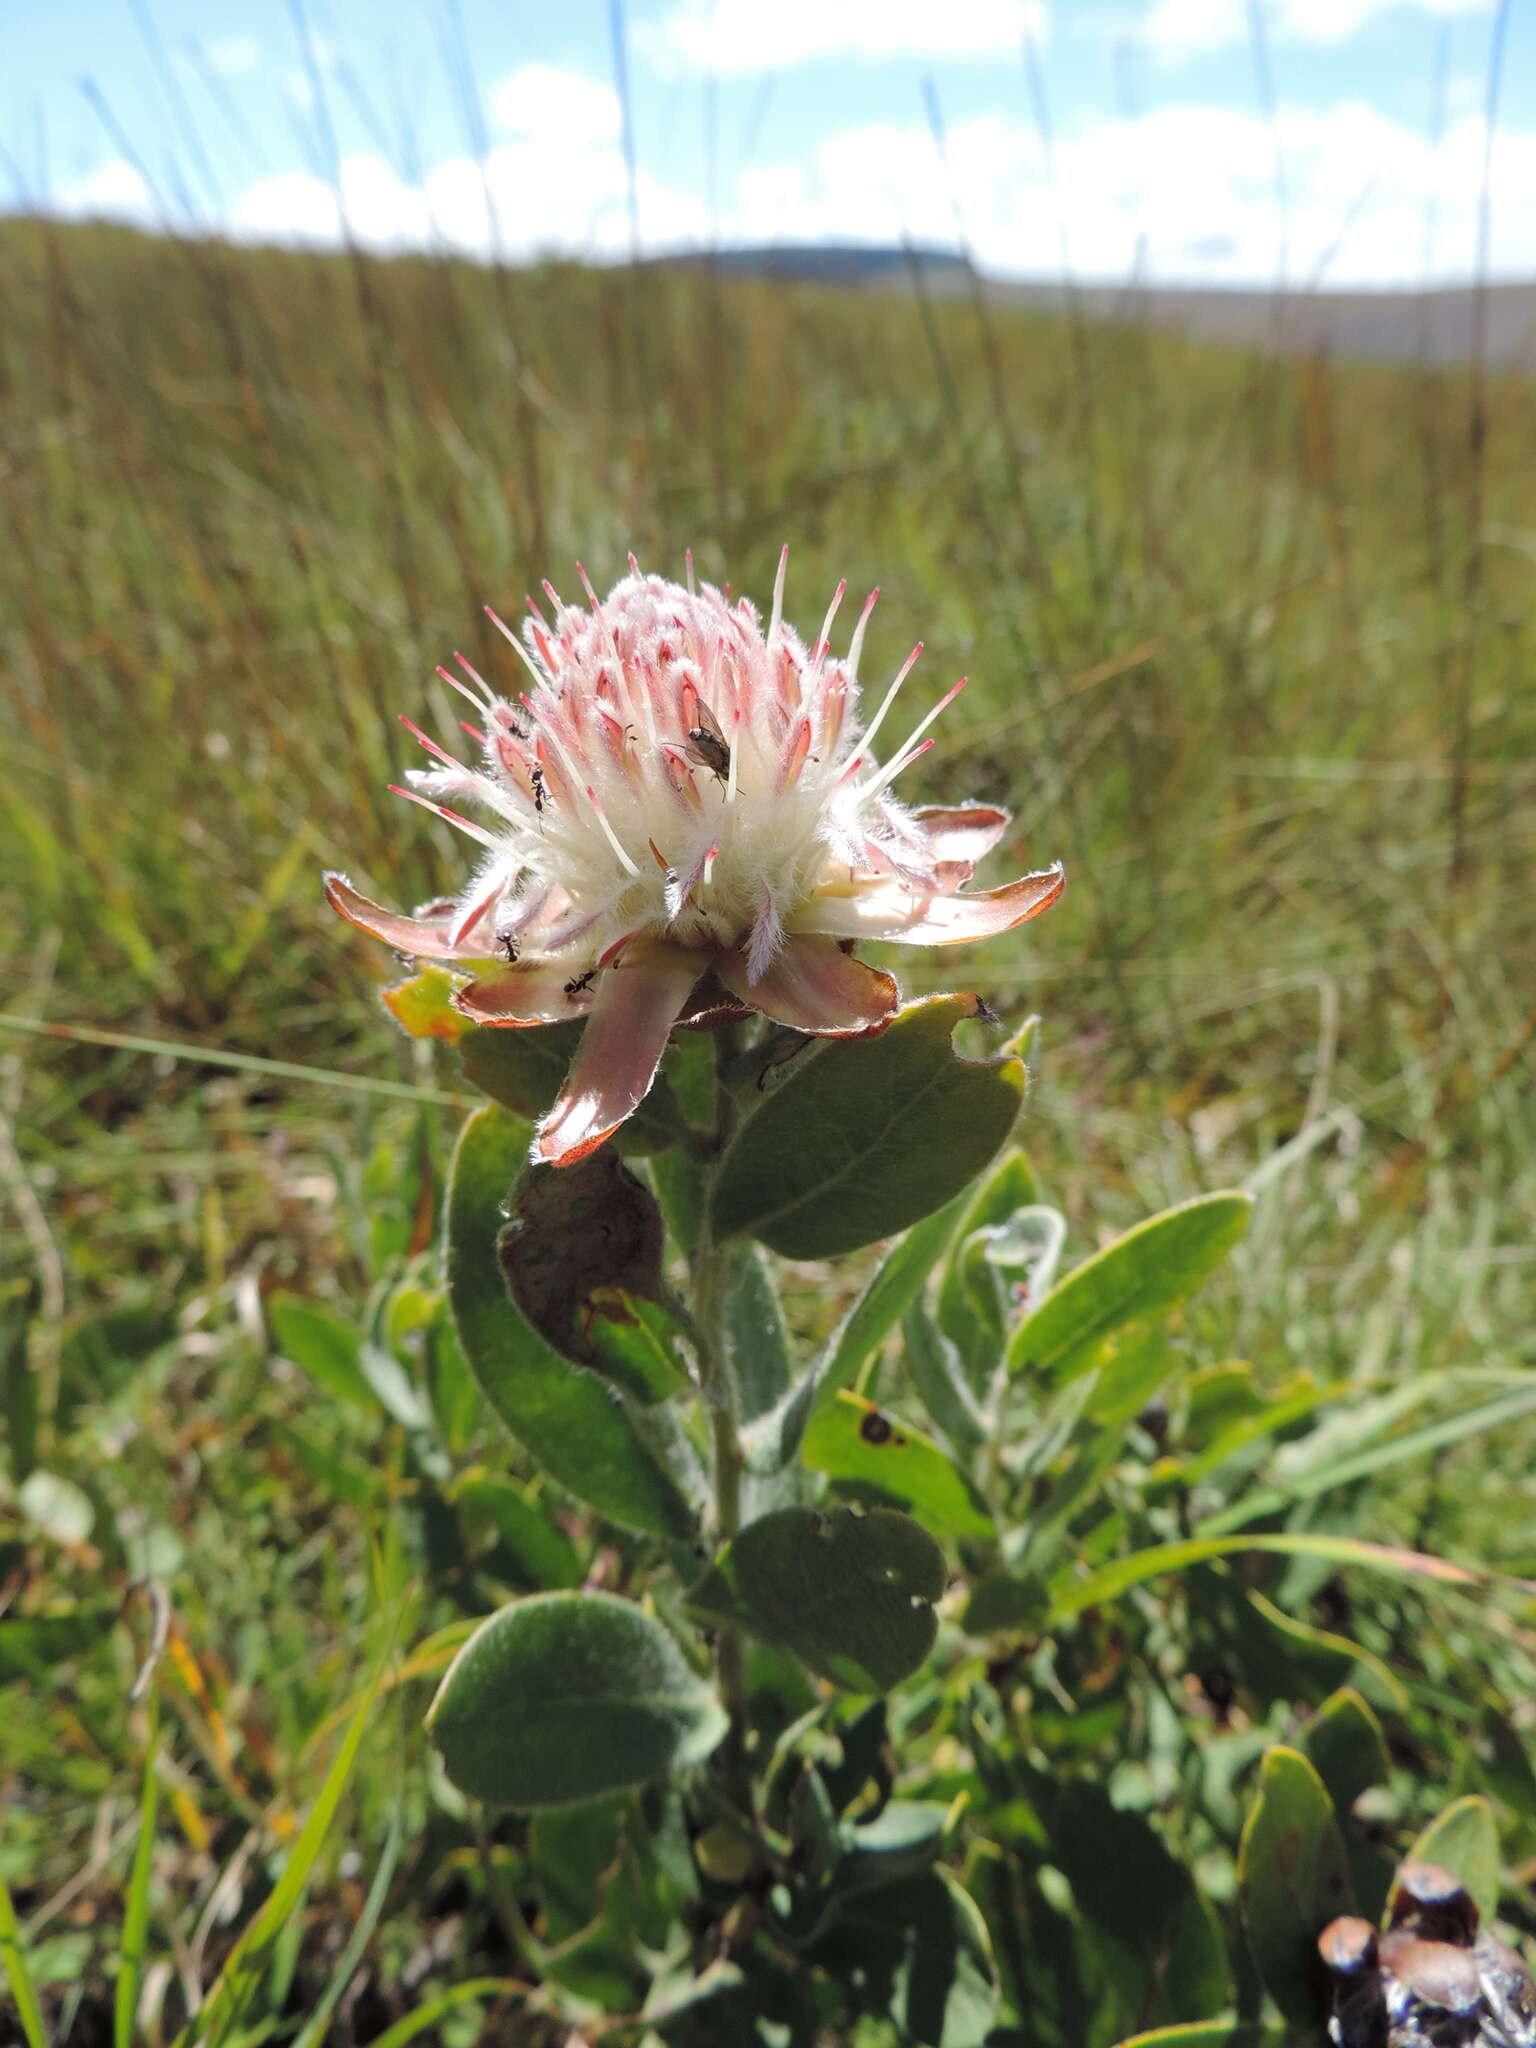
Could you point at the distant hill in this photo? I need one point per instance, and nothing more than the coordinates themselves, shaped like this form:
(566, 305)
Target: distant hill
(1385, 326)
(835, 263)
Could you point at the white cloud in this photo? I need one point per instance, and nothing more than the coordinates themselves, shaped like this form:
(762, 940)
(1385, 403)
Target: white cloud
(735, 36)
(558, 106)
(1190, 190)
(1191, 186)
(534, 195)
(113, 191)
(1180, 28)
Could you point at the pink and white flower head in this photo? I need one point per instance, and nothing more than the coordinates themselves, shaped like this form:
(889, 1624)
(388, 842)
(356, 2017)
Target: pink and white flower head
(685, 821)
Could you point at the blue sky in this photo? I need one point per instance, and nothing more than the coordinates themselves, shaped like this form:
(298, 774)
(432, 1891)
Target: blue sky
(803, 119)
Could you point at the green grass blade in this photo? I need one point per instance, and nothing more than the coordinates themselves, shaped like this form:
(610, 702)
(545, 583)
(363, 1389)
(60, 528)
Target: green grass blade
(313, 2035)
(238, 1062)
(1071, 1596)
(136, 1907)
(447, 2001)
(28, 2011)
(237, 1980)
(1419, 1443)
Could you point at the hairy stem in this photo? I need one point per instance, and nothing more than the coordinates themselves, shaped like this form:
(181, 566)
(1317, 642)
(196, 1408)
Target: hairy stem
(710, 1279)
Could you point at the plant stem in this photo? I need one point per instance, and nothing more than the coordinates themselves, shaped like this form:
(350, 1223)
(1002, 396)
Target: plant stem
(710, 1279)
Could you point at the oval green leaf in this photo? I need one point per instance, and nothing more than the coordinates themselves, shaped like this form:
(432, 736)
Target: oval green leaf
(853, 1440)
(1293, 1878)
(866, 1136)
(567, 1417)
(566, 1696)
(532, 1550)
(1146, 1273)
(850, 1594)
(1347, 1748)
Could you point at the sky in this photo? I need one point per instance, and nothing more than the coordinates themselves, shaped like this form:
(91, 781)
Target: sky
(1317, 143)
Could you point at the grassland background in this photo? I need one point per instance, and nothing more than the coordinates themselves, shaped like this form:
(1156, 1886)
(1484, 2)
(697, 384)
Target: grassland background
(1251, 643)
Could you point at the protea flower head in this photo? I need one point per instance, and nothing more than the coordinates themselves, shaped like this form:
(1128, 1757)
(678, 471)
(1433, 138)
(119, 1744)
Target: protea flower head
(685, 822)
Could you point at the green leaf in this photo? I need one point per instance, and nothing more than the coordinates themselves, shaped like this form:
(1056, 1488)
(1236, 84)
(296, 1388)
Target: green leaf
(774, 1439)
(566, 1416)
(919, 1953)
(1307, 1646)
(934, 1367)
(1146, 1273)
(634, 1345)
(1292, 1879)
(541, 1552)
(851, 1439)
(896, 1283)
(457, 1402)
(1005, 1601)
(1009, 1187)
(755, 1333)
(1134, 1367)
(866, 1136)
(19, 1381)
(566, 1696)
(524, 1071)
(324, 1345)
(574, 1851)
(902, 1841)
(1347, 1748)
(1161, 1945)
(850, 1594)
(1465, 1841)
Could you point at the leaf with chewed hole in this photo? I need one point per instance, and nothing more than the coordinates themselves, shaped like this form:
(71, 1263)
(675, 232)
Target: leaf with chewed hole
(851, 1594)
(867, 1135)
(566, 1696)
